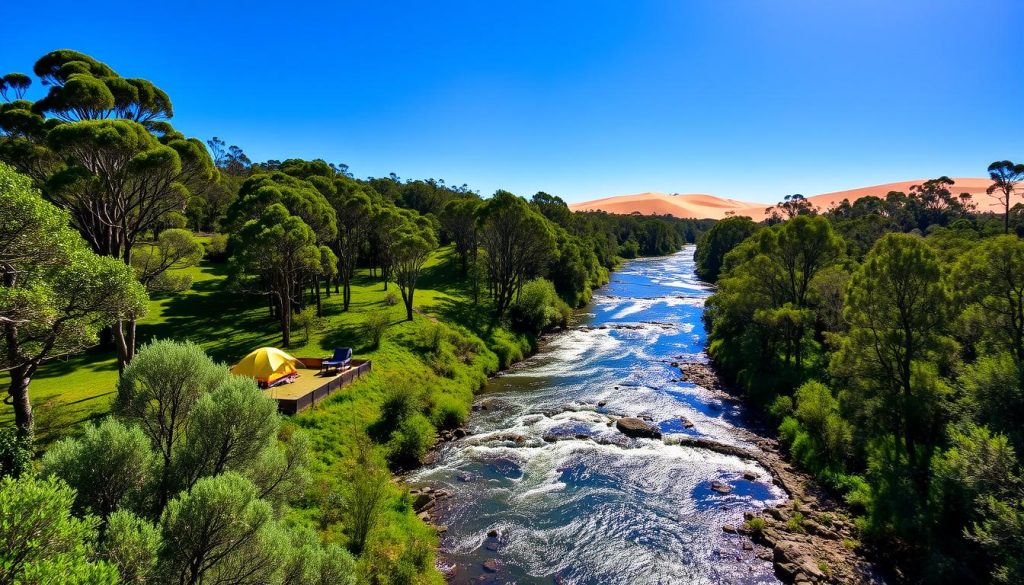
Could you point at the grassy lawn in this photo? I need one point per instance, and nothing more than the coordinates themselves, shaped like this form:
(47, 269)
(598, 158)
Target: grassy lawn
(69, 391)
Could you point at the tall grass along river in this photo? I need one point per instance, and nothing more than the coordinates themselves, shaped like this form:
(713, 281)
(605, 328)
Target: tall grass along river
(546, 489)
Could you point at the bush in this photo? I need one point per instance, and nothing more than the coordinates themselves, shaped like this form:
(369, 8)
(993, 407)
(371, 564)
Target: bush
(756, 526)
(508, 353)
(15, 452)
(629, 249)
(430, 336)
(391, 299)
(401, 402)
(538, 308)
(374, 325)
(216, 248)
(449, 412)
(410, 442)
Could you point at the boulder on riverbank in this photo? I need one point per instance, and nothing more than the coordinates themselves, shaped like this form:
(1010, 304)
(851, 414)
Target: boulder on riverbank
(634, 427)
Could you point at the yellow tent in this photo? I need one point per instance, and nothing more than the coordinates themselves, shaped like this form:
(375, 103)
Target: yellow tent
(267, 365)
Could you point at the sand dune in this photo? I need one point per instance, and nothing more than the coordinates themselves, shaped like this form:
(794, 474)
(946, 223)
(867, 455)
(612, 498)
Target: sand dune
(695, 205)
(714, 207)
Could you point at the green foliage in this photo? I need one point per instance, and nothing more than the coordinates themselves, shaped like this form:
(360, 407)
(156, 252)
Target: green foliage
(15, 452)
(110, 466)
(449, 412)
(309, 323)
(159, 267)
(410, 442)
(42, 541)
(220, 530)
(374, 326)
(715, 243)
(756, 526)
(538, 308)
(131, 544)
(216, 248)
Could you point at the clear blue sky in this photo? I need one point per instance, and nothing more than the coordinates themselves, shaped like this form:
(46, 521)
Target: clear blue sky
(752, 99)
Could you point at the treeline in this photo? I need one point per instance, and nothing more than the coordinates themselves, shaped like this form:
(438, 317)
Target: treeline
(886, 338)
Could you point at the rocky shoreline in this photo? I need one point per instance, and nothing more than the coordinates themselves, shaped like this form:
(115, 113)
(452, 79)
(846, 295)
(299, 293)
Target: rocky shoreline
(811, 538)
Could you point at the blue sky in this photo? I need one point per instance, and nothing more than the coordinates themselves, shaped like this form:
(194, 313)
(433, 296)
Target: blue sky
(752, 99)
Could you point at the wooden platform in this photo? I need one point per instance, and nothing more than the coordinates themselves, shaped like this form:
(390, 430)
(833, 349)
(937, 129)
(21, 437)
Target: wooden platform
(311, 387)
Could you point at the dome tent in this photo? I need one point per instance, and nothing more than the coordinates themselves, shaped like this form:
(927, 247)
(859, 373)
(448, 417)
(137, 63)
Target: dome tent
(267, 365)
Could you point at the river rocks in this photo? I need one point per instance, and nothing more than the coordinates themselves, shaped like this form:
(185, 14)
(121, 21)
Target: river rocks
(721, 487)
(459, 433)
(491, 565)
(686, 422)
(420, 501)
(634, 427)
(729, 529)
(602, 404)
(492, 533)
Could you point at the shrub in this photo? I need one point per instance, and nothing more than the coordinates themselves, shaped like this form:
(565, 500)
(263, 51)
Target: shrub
(538, 308)
(410, 442)
(796, 523)
(508, 353)
(443, 361)
(216, 248)
(629, 249)
(15, 452)
(391, 299)
(449, 412)
(401, 401)
(756, 526)
(430, 336)
(374, 325)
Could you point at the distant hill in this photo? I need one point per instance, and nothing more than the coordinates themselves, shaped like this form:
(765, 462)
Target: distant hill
(702, 206)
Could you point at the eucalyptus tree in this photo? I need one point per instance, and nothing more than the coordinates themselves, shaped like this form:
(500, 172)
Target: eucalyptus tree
(1005, 176)
(56, 294)
(517, 239)
(413, 242)
(174, 250)
(100, 146)
(458, 217)
(354, 210)
(273, 254)
(897, 306)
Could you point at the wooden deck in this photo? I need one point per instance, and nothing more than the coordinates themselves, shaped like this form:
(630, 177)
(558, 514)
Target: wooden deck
(311, 387)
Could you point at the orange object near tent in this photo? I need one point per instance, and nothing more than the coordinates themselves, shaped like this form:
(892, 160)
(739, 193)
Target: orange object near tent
(267, 365)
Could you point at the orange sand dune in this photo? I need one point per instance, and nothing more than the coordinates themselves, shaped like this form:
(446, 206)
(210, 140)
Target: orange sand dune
(693, 205)
(975, 186)
(713, 207)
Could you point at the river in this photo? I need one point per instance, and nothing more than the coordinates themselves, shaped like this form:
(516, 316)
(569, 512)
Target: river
(570, 498)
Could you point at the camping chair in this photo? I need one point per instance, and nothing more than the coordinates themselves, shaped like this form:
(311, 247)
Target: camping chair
(341, 359)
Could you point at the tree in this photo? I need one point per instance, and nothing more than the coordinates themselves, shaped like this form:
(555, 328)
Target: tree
(273, 253)
(517, 240)
(354, 210)
(458, 217)
(218, 532)
(41, 541)
(715, 243)
(897, 305)
(175, 249)
(228, 429)
(1005, 176)
(56, 294)
(109, 465)
(992, 276)
(553, 208)
(107, 155)
(158, 392)
(413, 242)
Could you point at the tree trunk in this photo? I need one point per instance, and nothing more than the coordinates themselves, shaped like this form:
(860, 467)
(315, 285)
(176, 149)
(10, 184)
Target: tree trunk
(24, 419)
(408, 305)
(319, 304)
(124, 335)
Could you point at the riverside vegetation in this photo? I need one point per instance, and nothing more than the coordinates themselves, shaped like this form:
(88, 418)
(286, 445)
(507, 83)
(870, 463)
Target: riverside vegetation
(885, 337)
(135, 260)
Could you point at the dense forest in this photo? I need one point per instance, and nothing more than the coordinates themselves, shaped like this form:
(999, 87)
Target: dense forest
(885, 338)
(191, 476)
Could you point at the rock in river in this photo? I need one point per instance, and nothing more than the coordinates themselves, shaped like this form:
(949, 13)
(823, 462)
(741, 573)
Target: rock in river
(634, 427)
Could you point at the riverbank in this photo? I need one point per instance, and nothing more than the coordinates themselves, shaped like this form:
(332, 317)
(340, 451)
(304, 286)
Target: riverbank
(811, 538)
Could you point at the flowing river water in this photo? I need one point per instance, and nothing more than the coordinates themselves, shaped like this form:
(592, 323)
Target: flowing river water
(571, 499)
